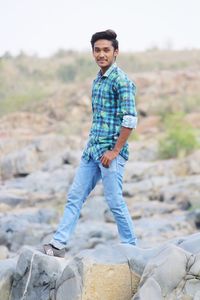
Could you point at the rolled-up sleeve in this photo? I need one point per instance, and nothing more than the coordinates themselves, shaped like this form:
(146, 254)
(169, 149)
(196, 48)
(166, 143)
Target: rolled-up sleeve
(129, 121)
(126, 93)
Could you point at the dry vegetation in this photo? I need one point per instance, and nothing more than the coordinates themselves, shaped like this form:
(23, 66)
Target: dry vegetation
(167, 82)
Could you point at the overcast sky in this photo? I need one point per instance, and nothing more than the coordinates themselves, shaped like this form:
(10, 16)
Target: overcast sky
(44, 26)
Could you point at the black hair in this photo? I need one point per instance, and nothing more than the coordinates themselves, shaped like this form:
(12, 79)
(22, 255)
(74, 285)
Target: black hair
(108, 34)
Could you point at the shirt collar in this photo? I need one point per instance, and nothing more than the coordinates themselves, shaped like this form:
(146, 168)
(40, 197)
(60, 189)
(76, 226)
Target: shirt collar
(107, 73)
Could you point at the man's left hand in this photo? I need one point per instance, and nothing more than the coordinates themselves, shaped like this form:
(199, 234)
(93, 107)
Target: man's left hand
(107, 158)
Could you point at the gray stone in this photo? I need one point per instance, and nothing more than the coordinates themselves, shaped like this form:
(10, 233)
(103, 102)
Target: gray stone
(45, 182)
(69, 285)
(111, 272)
(186, 187)
(10, 198)
(97, 274)
(3, 252)
(7, 269)
(31, 158)
(189, 243)
(145, 186)
(161, 279)
(22, 162)
(24, 228)
(35, 276)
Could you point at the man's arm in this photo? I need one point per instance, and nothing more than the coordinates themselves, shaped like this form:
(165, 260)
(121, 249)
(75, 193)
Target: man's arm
(126, 91)
(109, 155)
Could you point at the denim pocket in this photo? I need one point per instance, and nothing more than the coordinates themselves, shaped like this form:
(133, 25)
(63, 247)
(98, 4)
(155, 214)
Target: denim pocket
(120, 160)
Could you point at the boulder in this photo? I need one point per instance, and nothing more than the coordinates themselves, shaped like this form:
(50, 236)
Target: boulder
(120, 272)
(3, 252)
(103, 273)
(44, 182)
(19, 163)
(7, 269)
(161, 280)
(26, 227)
(35, 275)
(32, 157)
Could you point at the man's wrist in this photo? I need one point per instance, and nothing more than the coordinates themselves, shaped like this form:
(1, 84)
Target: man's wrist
(116, 150)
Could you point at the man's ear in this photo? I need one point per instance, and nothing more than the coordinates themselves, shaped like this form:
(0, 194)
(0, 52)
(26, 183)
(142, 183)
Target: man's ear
(116, 52)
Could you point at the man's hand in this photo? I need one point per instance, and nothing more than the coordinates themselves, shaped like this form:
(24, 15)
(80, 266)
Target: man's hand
(107, 157)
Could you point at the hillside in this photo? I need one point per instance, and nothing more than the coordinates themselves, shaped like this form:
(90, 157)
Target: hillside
(45, 115)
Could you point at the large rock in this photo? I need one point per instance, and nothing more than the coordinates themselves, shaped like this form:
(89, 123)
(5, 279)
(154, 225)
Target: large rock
(102, 273)
(7, 269)
(161, 280)
(35, 276)
(11, 198)
(120, 272)
(53, 182)
(19, 163)
(3, 252)
(26, 227)
(32, 157)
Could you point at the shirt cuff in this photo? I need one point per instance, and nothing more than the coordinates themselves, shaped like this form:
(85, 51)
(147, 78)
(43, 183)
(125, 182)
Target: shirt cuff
(129, 121)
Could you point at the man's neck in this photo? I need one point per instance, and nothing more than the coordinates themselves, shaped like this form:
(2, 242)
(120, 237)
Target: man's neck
(103, 70)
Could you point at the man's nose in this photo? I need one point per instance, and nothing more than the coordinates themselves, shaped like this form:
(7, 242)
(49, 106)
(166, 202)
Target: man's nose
(101, 54)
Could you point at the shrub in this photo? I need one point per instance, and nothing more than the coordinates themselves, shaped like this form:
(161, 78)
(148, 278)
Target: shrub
(67, 73)
(180, 138)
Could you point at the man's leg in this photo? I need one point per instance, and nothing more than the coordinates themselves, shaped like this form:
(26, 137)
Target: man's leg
(112, 179)
(84, 181)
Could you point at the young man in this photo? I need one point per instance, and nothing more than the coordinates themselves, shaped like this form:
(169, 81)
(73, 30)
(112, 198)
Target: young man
(114, 117)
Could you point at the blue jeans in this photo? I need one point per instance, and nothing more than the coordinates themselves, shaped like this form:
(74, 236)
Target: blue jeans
(86, 178)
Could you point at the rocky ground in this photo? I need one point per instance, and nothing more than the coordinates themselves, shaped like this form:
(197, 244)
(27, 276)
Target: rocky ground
(121, 272)
(37, 169)
(40, 149)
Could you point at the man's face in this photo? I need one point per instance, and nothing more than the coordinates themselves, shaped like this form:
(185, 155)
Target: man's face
(104, 54)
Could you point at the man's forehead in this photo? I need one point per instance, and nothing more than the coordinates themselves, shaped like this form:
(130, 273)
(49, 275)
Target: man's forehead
(102, 44)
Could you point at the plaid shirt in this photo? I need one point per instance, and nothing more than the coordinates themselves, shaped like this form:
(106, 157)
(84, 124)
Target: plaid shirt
(113, 98)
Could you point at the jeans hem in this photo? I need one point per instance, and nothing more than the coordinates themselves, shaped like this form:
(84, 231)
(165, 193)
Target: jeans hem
(57, 244)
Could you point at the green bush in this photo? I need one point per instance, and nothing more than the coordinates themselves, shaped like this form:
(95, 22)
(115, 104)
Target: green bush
(180, 138)
(67, 73)
(17, 102)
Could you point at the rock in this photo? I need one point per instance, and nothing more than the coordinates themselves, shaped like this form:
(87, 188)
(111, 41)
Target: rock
(31, 158)
(144, 150)
(189, 164)
(157, 229)
(162, 280)
(91, 234)
(189, 243)
(108, 272)
(52, 164)
(53, 182)
(147, 208)
(194, 217)
(108, 216)
(185, 188)
(10, 198)
(27, 227)
(197, 218)
(35, 276)
(145, 186)
(98, 274)
(7, 269)
(3, 252)
(19, 163)
(89, 211)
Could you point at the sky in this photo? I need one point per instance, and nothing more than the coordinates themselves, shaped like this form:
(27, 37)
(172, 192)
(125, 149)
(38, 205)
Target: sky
(43, 27)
